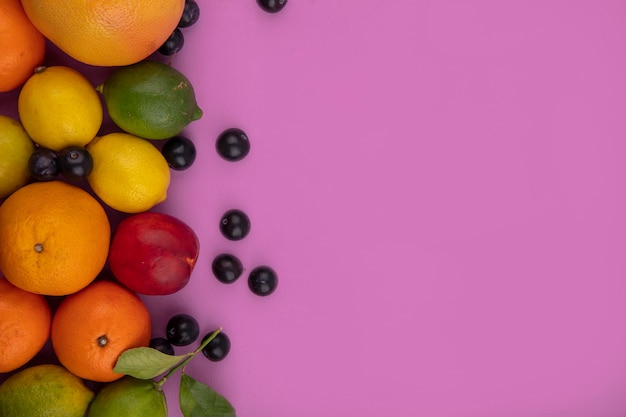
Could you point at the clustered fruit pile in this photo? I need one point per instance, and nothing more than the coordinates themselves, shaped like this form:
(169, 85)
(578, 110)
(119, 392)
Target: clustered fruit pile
(61, 177)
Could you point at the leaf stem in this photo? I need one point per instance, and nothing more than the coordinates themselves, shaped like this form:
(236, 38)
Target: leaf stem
(185, 361)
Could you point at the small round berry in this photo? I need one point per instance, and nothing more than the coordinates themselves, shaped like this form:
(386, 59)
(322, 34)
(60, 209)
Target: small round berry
(262, 280)
(179, 152)
(235, 224)
(173, 44)
(44, 164)
(76, 163)
(191, 14)
(272, 6)
(162, 345)
(227, 268)
(218, 348)
(233, 144)
(182, 330)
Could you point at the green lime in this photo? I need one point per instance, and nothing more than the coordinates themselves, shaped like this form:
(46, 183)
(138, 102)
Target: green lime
(150, 99)
(44, 391)
(129, 397)
(16, 147)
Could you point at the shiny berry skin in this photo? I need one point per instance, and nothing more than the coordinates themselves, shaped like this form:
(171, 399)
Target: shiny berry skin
(272, 6)
(44, 164)
(179, 152)
(76, 163)
(173, 44)
(162, 345)
(227, 268)
(191, 13)
(218, 348)
(182, 330)
(233, 144)
(262, 280)
(235, 224)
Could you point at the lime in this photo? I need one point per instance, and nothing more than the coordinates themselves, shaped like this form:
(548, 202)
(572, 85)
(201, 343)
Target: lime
(150, 99)
(44, 391)
(59, 107)
(16, 147)
(129, 397)
(129, 173)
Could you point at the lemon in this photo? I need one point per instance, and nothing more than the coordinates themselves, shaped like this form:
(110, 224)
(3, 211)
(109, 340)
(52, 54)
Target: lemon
(44, 391)
(129, 173)
(15, 151)
(150, 99)
(129, 397)
(59, 107)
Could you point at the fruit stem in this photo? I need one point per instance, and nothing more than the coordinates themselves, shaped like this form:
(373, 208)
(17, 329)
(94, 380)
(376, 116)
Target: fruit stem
(170, 61)
(185, 361)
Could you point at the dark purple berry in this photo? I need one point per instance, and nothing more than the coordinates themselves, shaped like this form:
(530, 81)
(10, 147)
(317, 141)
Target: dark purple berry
(162, 345)
(235, 224)
(179, 152)
(182, 330)
(262, 280)
(173, 44)
(44, 164)
(227, 268)
(76, 163)
(218, 348)
(191, 13)
(233, 144)
(272, 6)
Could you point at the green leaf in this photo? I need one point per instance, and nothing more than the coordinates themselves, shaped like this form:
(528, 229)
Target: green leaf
(146, 362)
(198, 400)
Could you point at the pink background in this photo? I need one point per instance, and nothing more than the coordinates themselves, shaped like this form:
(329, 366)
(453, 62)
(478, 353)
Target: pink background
(440, 187)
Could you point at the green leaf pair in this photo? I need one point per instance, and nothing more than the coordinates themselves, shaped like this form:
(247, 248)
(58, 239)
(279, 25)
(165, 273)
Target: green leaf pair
(196, 399)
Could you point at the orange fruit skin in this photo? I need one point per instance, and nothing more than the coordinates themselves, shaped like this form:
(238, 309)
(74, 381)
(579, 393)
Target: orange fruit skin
(24, 325)
(22, 46)
(54, 238)
(106, 33)
(91, 329)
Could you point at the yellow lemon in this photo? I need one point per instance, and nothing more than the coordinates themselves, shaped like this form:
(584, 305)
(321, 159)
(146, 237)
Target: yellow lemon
(59, 107)
(15, 151)
(44, 391)
(129, 173)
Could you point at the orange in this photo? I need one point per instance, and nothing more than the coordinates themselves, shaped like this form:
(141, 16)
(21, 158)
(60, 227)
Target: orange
(22, 46)
(24, 325)
(54, 238)
(91, 329)
(106, 33)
